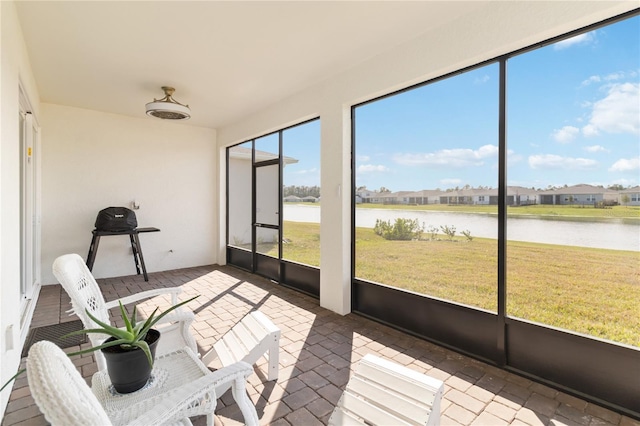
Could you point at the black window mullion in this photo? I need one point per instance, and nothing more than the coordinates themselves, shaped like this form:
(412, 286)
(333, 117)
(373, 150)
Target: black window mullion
(502, 214)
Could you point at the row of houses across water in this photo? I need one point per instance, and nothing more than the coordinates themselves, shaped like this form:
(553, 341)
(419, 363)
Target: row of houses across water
(516, 196)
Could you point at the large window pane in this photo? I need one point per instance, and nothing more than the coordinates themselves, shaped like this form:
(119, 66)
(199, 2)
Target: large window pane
(426, 173)
(267, 148)
(573, 249)
(239, 202)
(301, 193)
(267, 202)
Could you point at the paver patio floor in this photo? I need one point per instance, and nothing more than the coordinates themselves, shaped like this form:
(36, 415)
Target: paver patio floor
(318, 349)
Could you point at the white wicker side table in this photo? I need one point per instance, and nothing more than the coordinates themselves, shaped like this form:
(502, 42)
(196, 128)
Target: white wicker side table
(178, 373)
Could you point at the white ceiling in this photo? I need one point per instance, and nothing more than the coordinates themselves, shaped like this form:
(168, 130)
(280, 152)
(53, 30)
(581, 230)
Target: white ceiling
(225, 59)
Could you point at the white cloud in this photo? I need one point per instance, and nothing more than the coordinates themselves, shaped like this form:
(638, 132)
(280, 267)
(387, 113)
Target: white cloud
(586, 38)
(482, 80)
(618, 112)
(626, 165)
(614, 76)
(592, 79)
(596, 148)
(305, 171)
(513, 158)
(363, 158)
(372, 168)
(566, 134)
(550, 161)
(609, 77)
(458, 158)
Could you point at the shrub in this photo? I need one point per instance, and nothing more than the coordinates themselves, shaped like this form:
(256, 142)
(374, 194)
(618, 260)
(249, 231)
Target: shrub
(449, 231)
(401, 229)
(433, 231)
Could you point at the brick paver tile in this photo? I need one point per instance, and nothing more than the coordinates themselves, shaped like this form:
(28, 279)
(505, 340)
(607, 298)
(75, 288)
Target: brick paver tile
(603, 413)
(465, 401)
(561, 421)
(31, 412)
(458, 383)
(447, 421)
(543, 390)
(273, 411)
(336, 361)
(293, 385)
(518, 393)
(480, 394)
(628, 421)
(313, 379)
(300, 398)
(279, 422)
(459, 414)
(491, 383)
(487, 419)
(20, 403)
(331, 393)
(340, 377)
(531, 418)
(572, 401)
(573, 414)
(320, 408)
(501, 411)
(303, 417)
(308, 364)
(597, 421)
(542, 404)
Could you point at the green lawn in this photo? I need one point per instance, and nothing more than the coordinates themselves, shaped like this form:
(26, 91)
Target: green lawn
(591, 291)
(630, 212)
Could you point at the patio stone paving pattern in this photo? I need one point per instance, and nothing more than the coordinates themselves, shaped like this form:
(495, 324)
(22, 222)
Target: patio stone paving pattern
(318, 350)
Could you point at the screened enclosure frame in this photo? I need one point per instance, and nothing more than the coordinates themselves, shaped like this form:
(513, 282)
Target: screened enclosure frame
(588, 367)
(301, 277)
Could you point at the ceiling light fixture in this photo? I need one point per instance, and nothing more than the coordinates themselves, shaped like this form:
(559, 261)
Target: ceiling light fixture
(168, 108)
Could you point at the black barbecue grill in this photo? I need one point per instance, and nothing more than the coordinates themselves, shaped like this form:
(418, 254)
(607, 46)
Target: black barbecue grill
(119, 221)
(116, 219)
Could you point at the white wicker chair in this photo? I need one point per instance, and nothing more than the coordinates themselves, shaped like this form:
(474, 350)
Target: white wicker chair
(72, 272)
(65, 399)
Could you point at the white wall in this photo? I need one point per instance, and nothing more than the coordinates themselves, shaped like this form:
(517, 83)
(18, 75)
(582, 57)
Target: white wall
(483, 34)
(92, 160)
(14, 68)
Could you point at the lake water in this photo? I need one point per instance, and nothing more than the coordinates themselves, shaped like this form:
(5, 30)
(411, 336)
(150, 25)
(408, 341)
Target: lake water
(614, 234)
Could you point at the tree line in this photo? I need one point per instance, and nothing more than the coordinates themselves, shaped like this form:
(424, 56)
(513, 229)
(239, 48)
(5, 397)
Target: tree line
(301, 191)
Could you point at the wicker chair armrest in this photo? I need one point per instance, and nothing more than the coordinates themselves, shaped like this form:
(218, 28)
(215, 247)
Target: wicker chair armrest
(173, 291)
(167, 408)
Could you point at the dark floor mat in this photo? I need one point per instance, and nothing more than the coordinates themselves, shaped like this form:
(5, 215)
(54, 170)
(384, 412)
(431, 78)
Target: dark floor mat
(54, 334)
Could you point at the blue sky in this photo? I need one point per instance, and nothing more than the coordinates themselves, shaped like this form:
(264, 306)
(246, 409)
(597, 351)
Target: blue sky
(573, 117)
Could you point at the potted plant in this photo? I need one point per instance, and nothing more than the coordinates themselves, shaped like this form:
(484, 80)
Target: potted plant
(130, 351)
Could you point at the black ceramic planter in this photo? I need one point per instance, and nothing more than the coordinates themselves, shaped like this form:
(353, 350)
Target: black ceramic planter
(129, 370)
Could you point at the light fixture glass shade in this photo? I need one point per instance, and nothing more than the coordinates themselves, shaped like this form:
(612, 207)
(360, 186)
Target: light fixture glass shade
(167, 108)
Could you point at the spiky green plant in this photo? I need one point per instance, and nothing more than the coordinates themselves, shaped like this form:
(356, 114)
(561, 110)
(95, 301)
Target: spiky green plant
(131, 336)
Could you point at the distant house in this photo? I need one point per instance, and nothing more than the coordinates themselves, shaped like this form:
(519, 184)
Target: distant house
(366, 196)
(521, 196)
(309, 199)
(426, 196)
(292, 199)
(464, 196)
(632, 196)
(581, 194)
